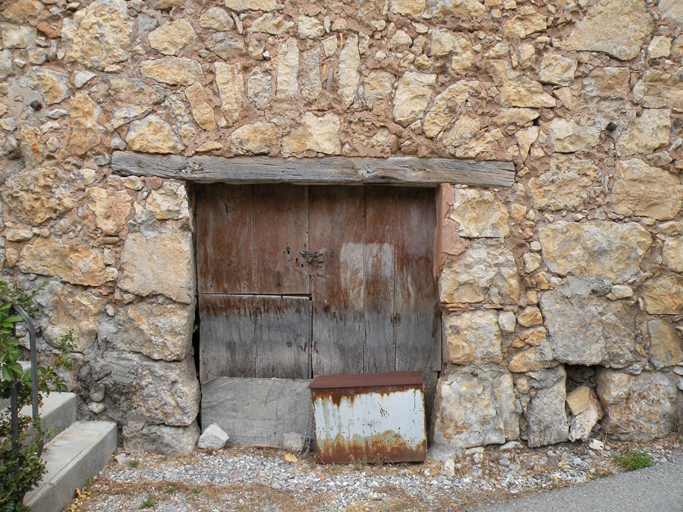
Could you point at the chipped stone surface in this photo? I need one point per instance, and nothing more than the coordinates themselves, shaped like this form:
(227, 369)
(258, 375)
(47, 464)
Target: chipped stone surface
(349, 70)
(126, 115)
(99, 35)
(617, 27)
(227, 46)
(311, 85)
(565, 186)
(256, 138)
(253, 5)
(545, 415)
(583, 422)
(608, 249)
(288, 70)
(640, 189)
(412, 8)
(17, 36)
(216, 19)
(230, 90)
(479, 214)
(481, 271)
(663, 295)
(377, 86)
(446, 105)
(152, 135)
(413, 94)
(666, 345)
(570, 137)
(111, 208)
(526, 22)
(173, 70)
(259, 88)
(86, 132)
(472, 338)
(518, 90)
(474, 406)
(170, 201)
(201, 110)
(133, 91)
(559, 70)
(646, 133)
(52, 85)
(169, 39)
(607, 83)
(315, 133)
(637, 407)
(460, 8)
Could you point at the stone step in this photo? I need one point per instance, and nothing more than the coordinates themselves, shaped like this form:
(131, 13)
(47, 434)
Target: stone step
(72, 457)
(57, 412)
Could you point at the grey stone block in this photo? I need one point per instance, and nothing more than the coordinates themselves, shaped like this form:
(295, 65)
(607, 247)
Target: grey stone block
(258, 411)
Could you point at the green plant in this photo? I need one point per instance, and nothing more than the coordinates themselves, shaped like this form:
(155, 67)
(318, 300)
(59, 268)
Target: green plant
(149, 502)
(21, 467)
(171, 489)
(196, 490)
(633, 459)
(133, 464)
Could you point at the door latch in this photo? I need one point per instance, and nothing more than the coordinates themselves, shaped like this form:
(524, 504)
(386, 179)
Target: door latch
(313, 257)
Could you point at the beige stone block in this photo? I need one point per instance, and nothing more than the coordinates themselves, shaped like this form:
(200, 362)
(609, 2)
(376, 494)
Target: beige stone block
(608, 83)
(201, 110)
(464, 9)
(217, 19)
(349, 70)
(170, 201)
(557, 69)
(447, 105)
(578, 400)
(565, 185)
(377, 86)
(173, 70)
(666, 345)
(251, 5)
(315, 133)
(646, 133)
(256, 138)
(410, 8)
(525, 23)
(17, 36)
(479, 214)
(133, 91)
(22, 11)
(473, 338)
(413, 94)
(51, 84)
(517, 90)
(152, 135)
(230, 90)
(530, 316)
(272, 24)
(169, 39)
(570, 137)
(86, 132)
(111, 208)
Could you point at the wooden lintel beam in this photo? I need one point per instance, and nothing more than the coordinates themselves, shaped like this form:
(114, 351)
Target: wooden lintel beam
(336, 170)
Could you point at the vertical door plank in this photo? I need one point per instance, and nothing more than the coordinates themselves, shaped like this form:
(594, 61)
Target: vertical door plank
(381, 206)
(227, 334)
(416, 314)
(225, 239)
(283, 337)
(280, 235)
(337, 225)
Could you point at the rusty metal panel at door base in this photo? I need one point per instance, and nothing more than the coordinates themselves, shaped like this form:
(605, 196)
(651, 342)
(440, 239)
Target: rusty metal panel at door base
(374, 417)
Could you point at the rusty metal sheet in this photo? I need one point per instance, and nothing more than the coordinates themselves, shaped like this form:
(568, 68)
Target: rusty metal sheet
(369, 421)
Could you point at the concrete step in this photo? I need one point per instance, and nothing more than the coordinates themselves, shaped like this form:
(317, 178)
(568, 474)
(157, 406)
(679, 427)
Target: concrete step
(57, 412)
(72, 457)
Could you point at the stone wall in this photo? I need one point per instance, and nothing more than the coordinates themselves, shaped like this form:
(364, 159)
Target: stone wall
(568, 286)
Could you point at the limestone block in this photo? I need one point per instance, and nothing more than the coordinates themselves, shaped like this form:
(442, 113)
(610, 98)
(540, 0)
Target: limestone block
(162, 265)
(663, 295)
(251, 5)
(227, 45)
(138, 436)
(517, 90)
(464, 129)
(589, 329)
(594, 249)
(518, 116)
(472, 337)
(672, 253)
(272, 24)
(659, 47)
(39, 195)
(259, 88)
(176, 106)
(5, 64)
(545, 413)
(447, 105)
(169, 39)
(559, 70)
(288, 70)
(666, 345)
(671, 9)
(160, 331)
(377, 86)
(213, 438)
(481, 271)
(86, 132)
(479, 214)
(410, 8)
(413, 94)
(71, 263)
(583, 422)
(134, 91)
(526, 22)
(311, 84)
(30, 145)
(646, 133)
(570, 137)
(152, 135)
(640, 189)
(65, 307)
(170, 201)
(230, 90)
(52, 85)
(99, 35)
(173, 70)
(126, 115)
(637, 407)
(578, 400)
(507, 321)
(217, 19)
(110, 207)
(201, 110)
(464, 9)
(525, 138)
(608, 83)
(564, 186)
(315, 133)
(662, 85)
(256, 138)
(532, 359)
(474, 406)
(309, 27)
(617, 27)
(22, 11)
(349, 70)
(17, 36)
(529, 316)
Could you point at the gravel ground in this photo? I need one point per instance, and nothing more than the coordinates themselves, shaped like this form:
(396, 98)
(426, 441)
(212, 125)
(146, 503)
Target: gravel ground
(262, 480)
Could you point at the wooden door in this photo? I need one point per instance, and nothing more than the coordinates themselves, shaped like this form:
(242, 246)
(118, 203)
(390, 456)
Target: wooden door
(299, 281)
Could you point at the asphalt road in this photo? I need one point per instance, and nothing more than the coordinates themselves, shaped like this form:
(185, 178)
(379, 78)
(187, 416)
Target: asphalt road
(655, 489)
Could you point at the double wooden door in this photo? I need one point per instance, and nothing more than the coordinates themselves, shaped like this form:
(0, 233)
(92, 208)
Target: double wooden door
(299, 281)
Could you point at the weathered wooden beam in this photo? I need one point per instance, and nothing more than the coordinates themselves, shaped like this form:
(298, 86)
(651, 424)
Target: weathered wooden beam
(426, 172)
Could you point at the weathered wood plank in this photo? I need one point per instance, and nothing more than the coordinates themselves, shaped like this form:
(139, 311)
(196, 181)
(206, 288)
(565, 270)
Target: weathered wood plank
(280, 235)
(225, 239)
(427, 172)
(337, 224)
(381, 210)
(227, 334)
(283, 337)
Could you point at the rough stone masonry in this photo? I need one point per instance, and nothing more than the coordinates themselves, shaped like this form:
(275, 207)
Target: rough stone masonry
(562, 297)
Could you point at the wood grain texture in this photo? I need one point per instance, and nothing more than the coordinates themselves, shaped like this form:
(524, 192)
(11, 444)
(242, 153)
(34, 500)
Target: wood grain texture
(428, 172)
(337, 223)
(225, 239)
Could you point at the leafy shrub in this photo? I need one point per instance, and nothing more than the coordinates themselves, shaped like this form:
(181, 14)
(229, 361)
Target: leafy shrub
(633, 459)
